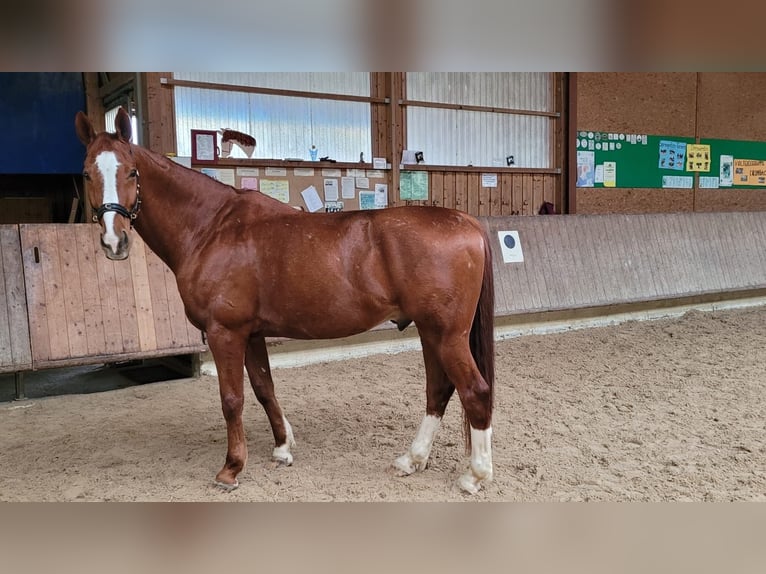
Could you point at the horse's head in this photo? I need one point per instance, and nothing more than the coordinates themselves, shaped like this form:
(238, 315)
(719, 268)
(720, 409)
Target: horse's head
(111, 181)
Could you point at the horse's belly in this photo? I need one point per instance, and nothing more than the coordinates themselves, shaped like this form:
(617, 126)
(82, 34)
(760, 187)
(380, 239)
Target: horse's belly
(326, 323)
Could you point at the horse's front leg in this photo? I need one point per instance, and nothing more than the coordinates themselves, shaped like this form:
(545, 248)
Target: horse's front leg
(228, 349)
(257, 364)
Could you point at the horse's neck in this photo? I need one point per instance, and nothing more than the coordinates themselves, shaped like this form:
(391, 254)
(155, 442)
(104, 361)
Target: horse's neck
(178, 204)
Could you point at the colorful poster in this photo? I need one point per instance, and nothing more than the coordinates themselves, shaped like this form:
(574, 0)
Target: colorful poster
(413, 185)
(366, 200)
(585, 168)
(672, 155)
(610, 174)
(249, 183)
(698, 157)
(276, 188)
(750, 172)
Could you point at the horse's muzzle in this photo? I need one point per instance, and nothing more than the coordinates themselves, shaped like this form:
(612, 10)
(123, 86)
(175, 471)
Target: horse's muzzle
(121, 251)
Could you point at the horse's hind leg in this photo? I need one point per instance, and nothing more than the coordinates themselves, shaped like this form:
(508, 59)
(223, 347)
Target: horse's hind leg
(438, 392)
(476, 396)
(257, 364)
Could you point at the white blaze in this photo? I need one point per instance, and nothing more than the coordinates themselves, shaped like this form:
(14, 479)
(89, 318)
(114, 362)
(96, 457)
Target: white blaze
(107, 164)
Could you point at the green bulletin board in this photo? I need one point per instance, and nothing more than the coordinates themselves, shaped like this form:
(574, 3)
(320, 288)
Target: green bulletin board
(636, 158)
(736, 149)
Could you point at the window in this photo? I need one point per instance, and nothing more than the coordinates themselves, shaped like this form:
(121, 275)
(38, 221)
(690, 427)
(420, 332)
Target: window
(521, 126)
(284, 126)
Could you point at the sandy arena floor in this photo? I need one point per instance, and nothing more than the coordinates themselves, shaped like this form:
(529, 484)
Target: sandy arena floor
(651, 411)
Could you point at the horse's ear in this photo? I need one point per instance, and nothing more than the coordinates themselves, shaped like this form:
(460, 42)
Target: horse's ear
(84, 128)
(122, 125)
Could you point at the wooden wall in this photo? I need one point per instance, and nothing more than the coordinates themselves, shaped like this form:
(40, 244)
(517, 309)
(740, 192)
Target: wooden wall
(701, 105)
(516, 193)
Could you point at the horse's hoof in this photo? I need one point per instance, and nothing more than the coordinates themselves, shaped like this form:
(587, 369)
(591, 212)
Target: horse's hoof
(281, 455)
(225, 486)
(405, 466)
(470, 483)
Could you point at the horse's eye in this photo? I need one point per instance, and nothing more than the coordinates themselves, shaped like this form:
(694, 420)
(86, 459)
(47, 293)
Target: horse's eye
(86, 175)
(133, 173)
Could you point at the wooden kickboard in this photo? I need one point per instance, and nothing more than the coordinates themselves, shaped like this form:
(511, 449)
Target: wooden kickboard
(84, 308)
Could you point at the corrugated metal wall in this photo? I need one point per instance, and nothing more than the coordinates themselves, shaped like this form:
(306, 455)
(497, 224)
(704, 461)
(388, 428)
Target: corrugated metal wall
(282, 126)
(459, 138)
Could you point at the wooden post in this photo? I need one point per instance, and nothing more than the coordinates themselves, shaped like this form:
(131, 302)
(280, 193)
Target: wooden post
(158, 107)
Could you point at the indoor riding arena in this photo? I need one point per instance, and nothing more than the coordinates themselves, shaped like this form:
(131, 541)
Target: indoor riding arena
(383, 287)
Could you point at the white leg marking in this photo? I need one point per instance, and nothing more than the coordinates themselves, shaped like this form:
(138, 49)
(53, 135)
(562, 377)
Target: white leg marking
(107, 164)
(480, 468)
(282, 452)
(417, 457)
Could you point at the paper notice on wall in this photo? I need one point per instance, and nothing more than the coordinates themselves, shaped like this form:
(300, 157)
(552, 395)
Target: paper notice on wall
(226, 176)
(749, 172)
(489, 180)
(598, 174)
(311, 199)
(708, 182)
(698, 157)
(381, 195)
(366, 200)
(331, 189)
(248, 172)
(276, 188)
(276, 171)
(672, 155)
(249, 183)
(610, 174)
(726, 170)
(678, 181)
(585, 168)
(347, 187)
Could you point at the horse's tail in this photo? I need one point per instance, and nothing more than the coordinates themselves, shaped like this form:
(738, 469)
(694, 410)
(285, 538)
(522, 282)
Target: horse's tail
(482, 338)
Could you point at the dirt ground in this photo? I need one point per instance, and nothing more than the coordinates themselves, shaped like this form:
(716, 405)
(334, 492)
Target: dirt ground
(650, 411)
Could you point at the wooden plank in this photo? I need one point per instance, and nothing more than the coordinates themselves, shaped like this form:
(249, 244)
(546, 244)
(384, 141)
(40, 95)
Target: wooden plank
(126, 303)
(55, 300)
(160, 306)
(473, 194)
(449, 190)
(495, 197)
(517, 195)
(89, 281)
(506, 193)
(71, 287)
(6, 245)
(180, 328)
(461, 191)
(109, 303)
(147, 338)
(34, 287)
(538, 193)
(484, 197)
(13, 302)
(437, 188)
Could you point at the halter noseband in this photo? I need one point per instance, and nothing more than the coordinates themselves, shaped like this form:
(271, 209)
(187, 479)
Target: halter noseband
(121, 209)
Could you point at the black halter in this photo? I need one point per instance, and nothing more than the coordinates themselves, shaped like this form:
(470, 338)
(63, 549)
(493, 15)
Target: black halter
(121, 209)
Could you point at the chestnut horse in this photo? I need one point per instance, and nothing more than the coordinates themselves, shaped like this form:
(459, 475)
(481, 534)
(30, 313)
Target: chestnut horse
(249, 267)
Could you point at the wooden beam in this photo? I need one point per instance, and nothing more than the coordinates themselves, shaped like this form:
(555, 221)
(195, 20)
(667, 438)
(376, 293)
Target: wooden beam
(167, 80)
